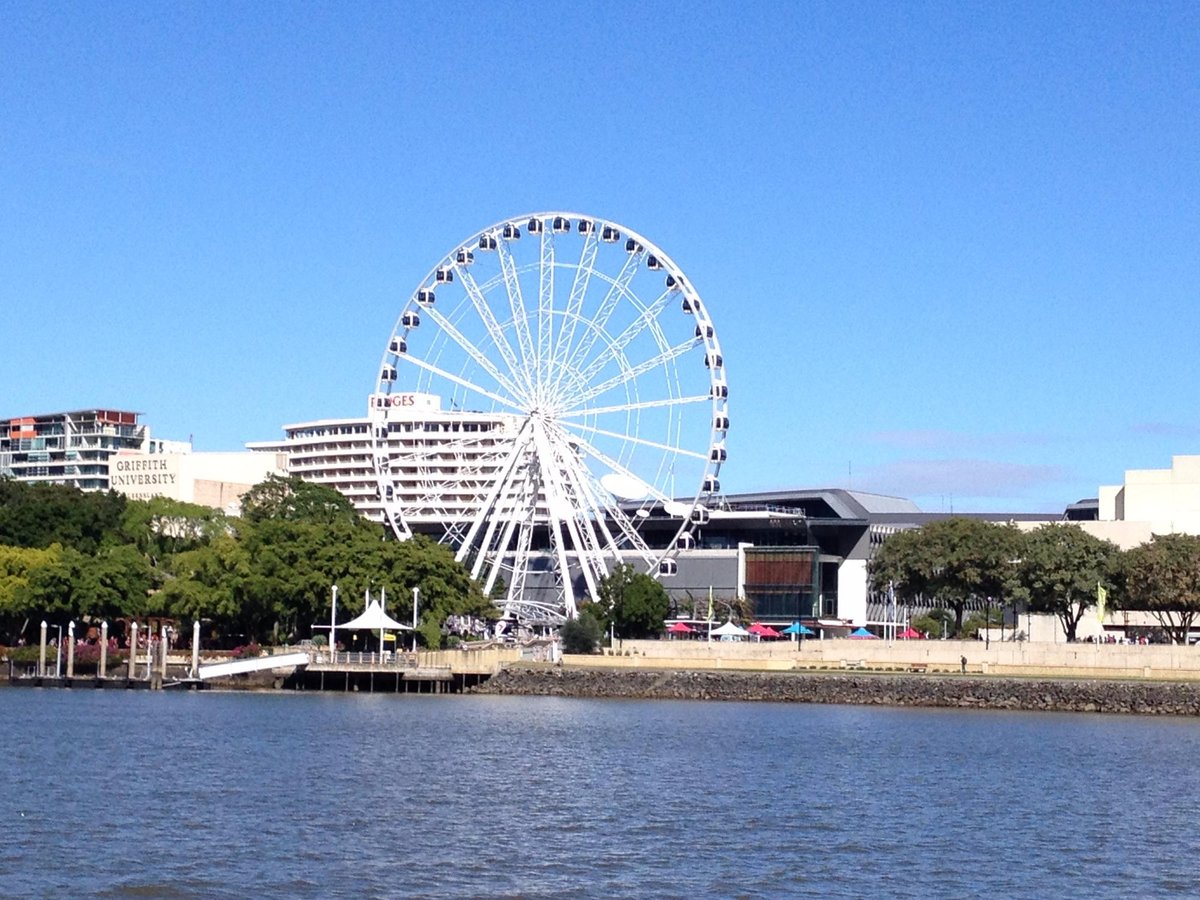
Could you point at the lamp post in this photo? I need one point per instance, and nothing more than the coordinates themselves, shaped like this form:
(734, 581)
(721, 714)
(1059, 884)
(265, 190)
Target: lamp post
(416, 600)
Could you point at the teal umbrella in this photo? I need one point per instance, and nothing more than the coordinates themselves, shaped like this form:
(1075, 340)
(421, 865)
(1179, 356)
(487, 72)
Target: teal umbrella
(797, 628)
(862, 633)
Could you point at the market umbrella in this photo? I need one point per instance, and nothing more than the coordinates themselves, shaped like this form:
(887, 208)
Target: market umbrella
(681, 628)
(797, 628)
(763, 631)
(862, 634)
(910, 634)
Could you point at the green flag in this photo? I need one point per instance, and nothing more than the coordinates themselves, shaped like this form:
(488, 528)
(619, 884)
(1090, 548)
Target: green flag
(1101, 600)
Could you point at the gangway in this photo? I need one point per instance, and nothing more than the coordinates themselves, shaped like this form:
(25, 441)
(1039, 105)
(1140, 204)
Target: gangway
(253, 664)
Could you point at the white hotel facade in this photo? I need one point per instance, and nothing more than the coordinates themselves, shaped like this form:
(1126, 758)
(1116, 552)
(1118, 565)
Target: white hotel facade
(443, 459)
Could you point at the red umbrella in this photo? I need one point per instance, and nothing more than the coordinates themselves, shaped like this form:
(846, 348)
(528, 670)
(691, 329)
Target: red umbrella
(681, 628)
(910, 634)
(763, 631)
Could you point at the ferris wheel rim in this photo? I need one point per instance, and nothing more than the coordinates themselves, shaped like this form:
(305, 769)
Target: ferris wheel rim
(706, 336)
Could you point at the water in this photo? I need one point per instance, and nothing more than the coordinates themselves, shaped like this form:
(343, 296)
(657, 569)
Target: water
(199, 795)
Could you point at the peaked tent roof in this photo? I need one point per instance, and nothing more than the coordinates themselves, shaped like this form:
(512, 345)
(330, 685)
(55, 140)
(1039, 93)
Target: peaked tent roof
(730, 629)
(374, 618)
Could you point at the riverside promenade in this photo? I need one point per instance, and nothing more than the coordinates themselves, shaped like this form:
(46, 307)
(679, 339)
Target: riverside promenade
(1009, 658)
(1144, 680)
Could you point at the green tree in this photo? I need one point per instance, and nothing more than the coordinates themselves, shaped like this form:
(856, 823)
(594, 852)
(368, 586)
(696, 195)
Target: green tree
(1062, 568)
(633, 602)
(160, 527)
(957, 563)
(38, 515)
(1162, 577)
(934, 623)
(295, 500)
(581, 634)
(17, 605)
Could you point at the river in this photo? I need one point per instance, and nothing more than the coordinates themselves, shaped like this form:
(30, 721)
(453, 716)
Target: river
(139, 794)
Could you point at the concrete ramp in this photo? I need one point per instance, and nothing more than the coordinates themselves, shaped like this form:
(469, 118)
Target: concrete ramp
(253, 664)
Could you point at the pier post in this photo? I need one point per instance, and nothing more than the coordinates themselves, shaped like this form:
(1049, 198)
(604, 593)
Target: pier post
(149, 653)
(71, 649)
(196, 649)
(131, 664)
(103, 649)
(162, 672)
(42, 653)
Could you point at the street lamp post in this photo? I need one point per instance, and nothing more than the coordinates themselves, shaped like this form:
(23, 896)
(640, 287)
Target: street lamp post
(416, 600)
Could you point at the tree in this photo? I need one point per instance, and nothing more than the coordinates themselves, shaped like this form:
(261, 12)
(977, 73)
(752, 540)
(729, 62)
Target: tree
(17, 565)
(1062, 570)
(956, 563)
(1162, 577)
(296, 500)
(160, 527)
(633, 602)
(38, 515)
(581, 634)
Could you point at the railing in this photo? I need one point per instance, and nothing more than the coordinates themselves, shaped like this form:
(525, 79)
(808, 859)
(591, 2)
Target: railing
(387, 659)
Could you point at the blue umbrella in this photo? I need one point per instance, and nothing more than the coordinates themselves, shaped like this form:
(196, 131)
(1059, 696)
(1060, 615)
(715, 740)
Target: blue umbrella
(861, 633)
(797, 628)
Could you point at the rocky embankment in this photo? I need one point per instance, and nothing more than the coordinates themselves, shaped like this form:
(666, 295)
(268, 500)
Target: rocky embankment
(956, 691)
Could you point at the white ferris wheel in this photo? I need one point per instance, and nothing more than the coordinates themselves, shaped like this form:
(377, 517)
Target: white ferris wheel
(552, 402)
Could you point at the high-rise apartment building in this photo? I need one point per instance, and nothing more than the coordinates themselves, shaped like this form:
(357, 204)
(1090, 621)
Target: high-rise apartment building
(74, 448)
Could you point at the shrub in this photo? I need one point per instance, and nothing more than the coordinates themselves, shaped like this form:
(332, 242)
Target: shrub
(580, 635)
(247, 651)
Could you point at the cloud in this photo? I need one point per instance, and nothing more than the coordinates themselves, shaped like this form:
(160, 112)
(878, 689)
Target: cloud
(957, 477)
(1167, 429)
(941, 439)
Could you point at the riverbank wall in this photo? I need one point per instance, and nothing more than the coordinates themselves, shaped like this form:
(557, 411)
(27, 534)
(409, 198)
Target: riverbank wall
(874, 689)
(1155, 662)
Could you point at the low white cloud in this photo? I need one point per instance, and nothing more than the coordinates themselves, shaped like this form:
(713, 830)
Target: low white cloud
(943, 439)
(957, 477)
(1167, 429)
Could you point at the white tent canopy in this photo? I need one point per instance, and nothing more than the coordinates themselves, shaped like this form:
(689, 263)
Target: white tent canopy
(374, 618)
(730, 630)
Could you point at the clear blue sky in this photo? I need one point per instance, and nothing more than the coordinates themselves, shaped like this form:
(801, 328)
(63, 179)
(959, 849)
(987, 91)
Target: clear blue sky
(952, 250)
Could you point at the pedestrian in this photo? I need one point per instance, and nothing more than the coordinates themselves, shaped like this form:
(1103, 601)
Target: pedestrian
(963, 663)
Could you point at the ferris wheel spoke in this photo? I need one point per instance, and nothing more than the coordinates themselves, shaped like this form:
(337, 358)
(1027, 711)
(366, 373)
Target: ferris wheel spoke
(486, 508)
(613, 465)
(634, 372)
(618, 288)
(545, 305)
(558, 501)
(628, 407)
(633, 439)
(613, 348)
(604, 510)
(484, 311)
(484, 361)
(516, 302)
(579, 286)
(463, 382)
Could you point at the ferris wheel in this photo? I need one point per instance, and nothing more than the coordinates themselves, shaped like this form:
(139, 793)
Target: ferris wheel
(552, 402)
